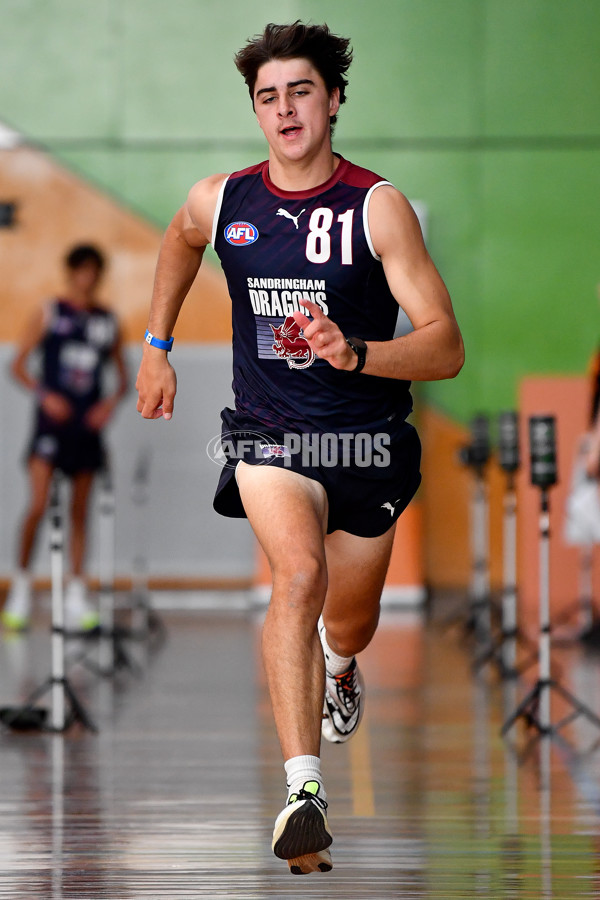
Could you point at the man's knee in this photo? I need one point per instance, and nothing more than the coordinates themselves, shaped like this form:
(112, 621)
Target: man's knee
(78, 516)
(37, 510)
(79, 510)
(300, 581)
(350, 634)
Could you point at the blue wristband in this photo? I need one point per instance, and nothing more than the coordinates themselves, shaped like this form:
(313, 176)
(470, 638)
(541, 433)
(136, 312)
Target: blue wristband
(156, 342)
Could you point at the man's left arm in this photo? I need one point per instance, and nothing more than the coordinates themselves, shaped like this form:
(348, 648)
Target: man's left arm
(434, 349)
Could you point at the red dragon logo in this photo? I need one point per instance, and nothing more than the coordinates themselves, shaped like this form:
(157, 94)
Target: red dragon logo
(289, 344)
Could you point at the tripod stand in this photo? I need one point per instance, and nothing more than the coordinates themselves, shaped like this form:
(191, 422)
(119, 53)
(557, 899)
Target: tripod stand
(66, 708)
(145, 621)
(112, 651)
(504, 650)
(480, 619)
(535, 708)
(509, 592)
(476, 456)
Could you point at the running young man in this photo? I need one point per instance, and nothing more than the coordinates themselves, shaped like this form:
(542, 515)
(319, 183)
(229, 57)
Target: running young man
(76, 338)
(318, 253)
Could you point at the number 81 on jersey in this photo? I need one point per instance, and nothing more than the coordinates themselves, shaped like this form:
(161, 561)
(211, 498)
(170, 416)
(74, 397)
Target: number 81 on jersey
(318, 242)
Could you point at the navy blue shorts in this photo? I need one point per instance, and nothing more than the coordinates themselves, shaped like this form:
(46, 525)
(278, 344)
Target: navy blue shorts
(70, 447)
(369, 478)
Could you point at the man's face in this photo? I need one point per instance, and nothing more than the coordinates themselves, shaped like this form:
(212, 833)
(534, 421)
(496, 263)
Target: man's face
(85, 278)
(293, 107)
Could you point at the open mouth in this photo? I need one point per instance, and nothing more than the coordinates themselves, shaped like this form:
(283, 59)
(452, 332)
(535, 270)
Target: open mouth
(290, 130)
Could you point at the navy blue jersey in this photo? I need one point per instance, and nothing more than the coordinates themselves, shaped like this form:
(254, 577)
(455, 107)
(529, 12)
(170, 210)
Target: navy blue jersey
(279, 247)
(74, 349)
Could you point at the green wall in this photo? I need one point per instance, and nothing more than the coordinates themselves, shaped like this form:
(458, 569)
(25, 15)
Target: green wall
(488, 110)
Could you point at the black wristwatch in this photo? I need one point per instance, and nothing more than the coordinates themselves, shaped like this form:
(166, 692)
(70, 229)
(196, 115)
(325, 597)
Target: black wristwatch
(360, 348)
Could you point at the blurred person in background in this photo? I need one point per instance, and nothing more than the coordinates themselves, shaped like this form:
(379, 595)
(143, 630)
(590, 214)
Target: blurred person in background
(76, 338)
(592, 443)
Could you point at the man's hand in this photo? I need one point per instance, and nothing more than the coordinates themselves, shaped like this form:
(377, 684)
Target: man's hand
(56, 406)
(156, 385)
(99, 415)
(325, 338)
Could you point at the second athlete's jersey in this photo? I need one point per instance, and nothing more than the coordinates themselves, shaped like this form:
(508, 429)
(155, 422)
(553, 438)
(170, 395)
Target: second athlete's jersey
(280, 247)
(74, 349)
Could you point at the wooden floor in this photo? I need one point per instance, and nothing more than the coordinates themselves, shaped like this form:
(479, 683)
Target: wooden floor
(176, 795)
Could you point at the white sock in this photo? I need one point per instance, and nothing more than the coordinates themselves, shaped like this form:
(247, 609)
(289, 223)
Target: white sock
(299, 770)
(18, 601)
(335, 665)
(22, 577)
(76, 599)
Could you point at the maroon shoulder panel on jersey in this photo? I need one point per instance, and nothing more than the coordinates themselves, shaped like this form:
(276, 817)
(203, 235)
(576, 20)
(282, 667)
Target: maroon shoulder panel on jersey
(251, 170)
(356, 176)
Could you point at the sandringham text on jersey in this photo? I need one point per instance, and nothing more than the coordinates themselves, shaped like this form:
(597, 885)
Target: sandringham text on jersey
(284, 296)
(288, 284)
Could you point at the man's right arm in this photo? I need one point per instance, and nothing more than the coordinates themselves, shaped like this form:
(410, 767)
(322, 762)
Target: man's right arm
(179, 259)
(55, 405)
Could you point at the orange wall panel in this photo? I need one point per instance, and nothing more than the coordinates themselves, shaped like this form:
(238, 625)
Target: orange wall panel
(407, 563)
(446, 491)
(56, 209)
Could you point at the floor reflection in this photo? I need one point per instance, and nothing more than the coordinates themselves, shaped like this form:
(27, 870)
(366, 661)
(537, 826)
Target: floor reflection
(176, 796)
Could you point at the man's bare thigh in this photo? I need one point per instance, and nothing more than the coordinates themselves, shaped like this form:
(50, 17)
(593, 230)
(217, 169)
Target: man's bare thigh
(287, 511)
(356, 567)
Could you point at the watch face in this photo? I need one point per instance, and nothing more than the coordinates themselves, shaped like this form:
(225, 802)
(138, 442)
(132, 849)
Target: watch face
(357, 344)
(360, 348)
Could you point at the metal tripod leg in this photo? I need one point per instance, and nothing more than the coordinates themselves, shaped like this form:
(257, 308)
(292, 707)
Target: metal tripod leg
(535, 708)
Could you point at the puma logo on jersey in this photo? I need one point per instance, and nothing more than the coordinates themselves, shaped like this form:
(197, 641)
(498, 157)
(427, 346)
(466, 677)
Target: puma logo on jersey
(390, 505)
(287, 215)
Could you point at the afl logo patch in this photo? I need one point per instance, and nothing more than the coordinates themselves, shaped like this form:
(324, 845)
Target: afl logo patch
(240, 233)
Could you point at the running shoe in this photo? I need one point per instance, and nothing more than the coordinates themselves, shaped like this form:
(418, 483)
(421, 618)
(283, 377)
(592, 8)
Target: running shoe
(343, 705)
(80, 614)
(17, 609)
(301, 834)
(13, 622)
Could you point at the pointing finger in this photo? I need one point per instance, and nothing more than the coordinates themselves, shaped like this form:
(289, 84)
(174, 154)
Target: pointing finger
(301, 320)
(315, 311)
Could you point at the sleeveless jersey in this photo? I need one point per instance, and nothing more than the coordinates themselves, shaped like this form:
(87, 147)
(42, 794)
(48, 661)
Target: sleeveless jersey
(276, 248)
(75, 347)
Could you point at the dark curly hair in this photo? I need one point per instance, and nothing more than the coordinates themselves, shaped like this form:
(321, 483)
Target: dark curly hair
(330, 54)
(82, 254)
